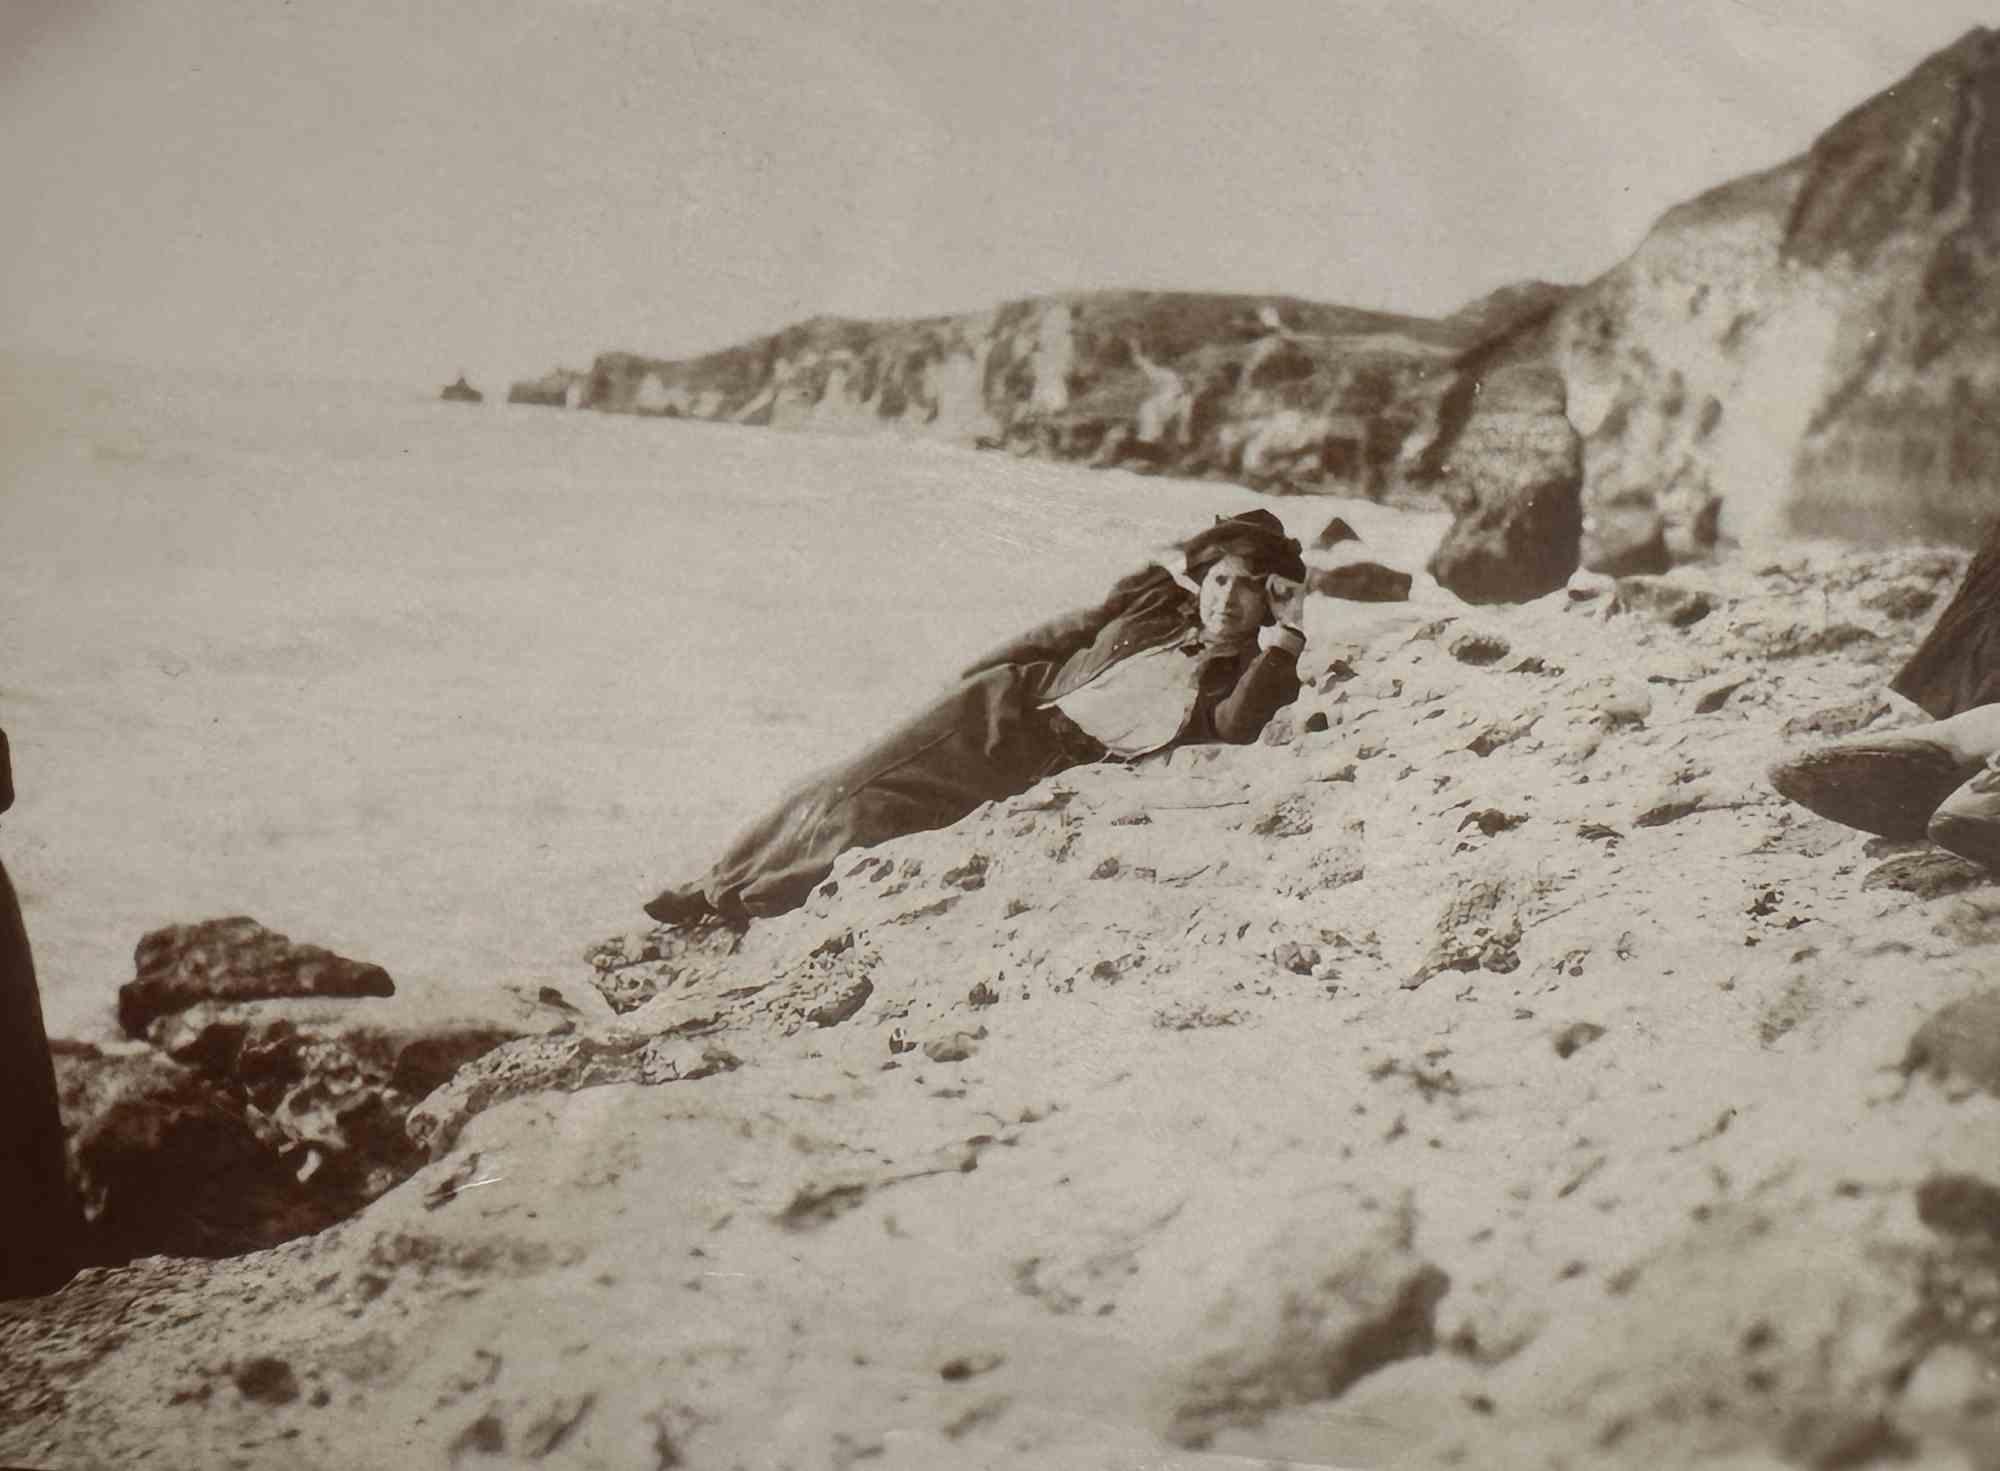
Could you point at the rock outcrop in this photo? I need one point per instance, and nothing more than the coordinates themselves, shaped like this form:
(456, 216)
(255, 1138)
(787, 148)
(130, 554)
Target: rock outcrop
(1272, 391)
(164, 1160)
(1512, 482)
(233, 960)
(269, 1101)
(1809, 349)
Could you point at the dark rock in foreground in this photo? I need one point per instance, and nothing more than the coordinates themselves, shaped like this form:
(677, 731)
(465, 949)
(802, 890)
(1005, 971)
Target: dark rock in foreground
(234, 959)
(1513, 481)
(165, 1161)
(1314, 1312)
(270, 1104)
(336, 1080)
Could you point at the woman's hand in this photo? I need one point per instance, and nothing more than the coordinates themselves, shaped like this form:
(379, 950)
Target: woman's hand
(1287, 600)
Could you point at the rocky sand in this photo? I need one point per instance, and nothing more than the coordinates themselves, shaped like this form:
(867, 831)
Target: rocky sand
(1486, 1069)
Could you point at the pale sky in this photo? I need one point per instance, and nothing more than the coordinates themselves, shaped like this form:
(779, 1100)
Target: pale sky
(384, 190)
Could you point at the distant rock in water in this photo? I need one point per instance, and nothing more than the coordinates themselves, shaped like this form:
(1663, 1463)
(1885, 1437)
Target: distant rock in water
(462, 392)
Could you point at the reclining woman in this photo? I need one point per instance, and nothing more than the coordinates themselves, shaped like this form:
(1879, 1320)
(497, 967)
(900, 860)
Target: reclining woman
(1199, 646)
(1940, 780)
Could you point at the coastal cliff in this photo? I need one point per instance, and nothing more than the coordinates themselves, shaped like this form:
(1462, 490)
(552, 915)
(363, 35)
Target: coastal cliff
(1806, 350)
(1269, 391)
(1811, 349)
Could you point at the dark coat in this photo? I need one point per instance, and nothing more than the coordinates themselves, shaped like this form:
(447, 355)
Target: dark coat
(987, 738)
(1957, 667)
(39, 1221)
(1240, 691)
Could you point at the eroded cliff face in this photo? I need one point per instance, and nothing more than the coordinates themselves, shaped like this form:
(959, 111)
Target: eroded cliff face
(1269, 391)
(1810, 349)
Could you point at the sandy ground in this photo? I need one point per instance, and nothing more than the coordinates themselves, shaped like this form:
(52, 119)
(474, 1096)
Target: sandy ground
(1485, 1070)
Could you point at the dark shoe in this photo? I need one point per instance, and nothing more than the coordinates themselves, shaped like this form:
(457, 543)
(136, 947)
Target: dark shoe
(1890, 785)
(1968, 822)
(680, 906)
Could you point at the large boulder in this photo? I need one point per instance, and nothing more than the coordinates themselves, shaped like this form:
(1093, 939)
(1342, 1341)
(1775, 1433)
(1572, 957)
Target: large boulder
(234, 959)
(1322, 1305)
(271, 1098)
(165, 1161)
(1512, 481)
(335, 1079)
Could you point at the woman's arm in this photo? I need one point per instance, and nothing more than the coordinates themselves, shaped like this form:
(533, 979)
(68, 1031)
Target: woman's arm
(1267, 684)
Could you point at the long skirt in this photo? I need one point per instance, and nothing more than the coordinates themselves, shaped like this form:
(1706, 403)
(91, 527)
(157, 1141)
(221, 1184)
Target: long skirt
(982, 741)
(39, 1223)
(1957, 667)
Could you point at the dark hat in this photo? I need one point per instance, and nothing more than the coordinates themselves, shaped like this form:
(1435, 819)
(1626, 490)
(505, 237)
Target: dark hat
(1256, 536)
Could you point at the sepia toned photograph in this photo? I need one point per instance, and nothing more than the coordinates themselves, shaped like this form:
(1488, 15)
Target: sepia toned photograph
(1135, 735)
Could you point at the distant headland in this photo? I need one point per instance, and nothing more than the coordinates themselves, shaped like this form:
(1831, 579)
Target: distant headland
(1810, 349)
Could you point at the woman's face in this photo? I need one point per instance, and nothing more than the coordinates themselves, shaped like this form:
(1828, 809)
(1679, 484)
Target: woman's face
(1232, 599)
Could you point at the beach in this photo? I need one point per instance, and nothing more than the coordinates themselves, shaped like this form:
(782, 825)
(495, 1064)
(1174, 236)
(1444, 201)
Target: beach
(454, 689)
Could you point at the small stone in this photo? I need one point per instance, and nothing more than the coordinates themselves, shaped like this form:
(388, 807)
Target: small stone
(1334, 533)
(1297, 958)
(953, 1046)
(1479, 649)
(1928, 874)
(1713, 694)
(970, 874)
(267, 1380)
(1291, 818)
(1960, 1040)
(1683, 802)
(1625, 705)
(1573, 1038)
(1959, 1205)
(1318, 1308)
(843, 1006)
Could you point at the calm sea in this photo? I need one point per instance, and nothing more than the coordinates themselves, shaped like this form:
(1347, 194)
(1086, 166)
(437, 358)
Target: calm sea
(454, 689)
